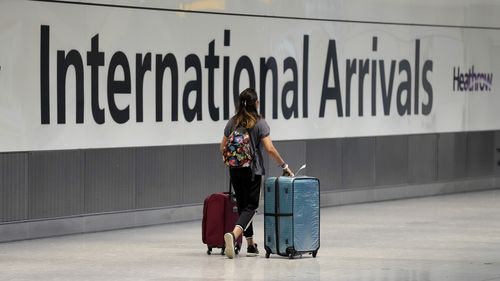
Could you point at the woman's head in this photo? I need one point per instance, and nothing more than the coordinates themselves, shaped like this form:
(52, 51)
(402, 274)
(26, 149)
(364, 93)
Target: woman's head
(246, 112)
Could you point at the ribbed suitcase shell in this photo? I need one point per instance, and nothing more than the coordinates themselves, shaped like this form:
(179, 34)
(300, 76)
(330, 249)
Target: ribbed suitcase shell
(291, 216)
(219, 216)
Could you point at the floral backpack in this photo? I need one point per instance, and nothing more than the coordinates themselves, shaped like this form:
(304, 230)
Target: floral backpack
(238, 149)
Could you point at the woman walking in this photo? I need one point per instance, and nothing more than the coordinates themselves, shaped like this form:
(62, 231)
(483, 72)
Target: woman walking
(245, 136)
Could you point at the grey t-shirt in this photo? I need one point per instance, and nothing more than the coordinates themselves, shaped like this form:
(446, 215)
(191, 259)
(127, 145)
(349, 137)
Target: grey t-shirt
(257, 133)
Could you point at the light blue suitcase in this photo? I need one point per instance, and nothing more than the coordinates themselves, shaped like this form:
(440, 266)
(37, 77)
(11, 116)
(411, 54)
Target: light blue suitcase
(291, 216)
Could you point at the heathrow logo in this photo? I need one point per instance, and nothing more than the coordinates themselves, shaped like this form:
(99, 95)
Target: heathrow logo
(471, 81)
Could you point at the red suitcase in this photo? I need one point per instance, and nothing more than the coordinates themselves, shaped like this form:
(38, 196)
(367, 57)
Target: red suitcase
(219, 217)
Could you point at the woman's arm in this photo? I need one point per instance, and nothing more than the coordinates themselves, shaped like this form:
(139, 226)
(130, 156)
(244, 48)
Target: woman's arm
(271, 150)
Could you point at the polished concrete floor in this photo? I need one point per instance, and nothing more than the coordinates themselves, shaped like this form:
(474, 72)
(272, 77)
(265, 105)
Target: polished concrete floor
(454, 237)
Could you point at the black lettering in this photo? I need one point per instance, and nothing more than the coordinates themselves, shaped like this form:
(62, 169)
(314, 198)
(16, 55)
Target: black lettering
(119, 59)
(417, 73)
(192, 61)
(211, 63)
(227, 37)
(140, 69)
(292, 86)
(169, 61)
(427, 108)
(94, 60)
(305, 72)
(225, 87)
(44, 74)
(374, 78)
(350, 70)
(364, 66)
(387, 93)
(243, 63)
(374, 87)
(331, 92)
(265, 66)
(404, 108)
(456, 79)
(225, 78)
(63, 62)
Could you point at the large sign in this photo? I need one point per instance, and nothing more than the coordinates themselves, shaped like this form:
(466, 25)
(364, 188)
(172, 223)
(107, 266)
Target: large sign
(80, 75)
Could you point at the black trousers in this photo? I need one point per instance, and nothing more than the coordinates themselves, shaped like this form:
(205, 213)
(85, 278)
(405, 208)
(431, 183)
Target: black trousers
(247, 191)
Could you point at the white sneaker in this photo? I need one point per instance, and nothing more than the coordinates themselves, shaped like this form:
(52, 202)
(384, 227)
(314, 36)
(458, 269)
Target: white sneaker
(229, 240)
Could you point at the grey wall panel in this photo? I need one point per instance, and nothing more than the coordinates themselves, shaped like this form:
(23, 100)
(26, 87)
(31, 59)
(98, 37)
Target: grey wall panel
(204, 172)
(391, 160)
(497, 153)
(452, 156)
(358, 157)
(422, 158)
(446, 156)
(48, 184)
(324, 161)
(55, 183)
(13, 186)
(159, 176)
(294, 154)
(109, 180)
(460, 163)
(480, 153)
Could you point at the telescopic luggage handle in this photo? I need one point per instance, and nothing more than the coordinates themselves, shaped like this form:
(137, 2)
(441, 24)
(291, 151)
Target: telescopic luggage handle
(301, 168)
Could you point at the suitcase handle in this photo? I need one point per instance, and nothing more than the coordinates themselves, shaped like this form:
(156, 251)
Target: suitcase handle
(301, 168)
(297, 173)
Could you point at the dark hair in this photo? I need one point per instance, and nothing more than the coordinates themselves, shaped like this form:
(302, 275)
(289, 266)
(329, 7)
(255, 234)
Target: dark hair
(246, 111)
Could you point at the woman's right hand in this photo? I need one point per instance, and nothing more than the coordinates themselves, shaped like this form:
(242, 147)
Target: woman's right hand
(287, 172)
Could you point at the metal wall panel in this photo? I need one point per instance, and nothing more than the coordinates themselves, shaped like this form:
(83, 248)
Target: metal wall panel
(109, 180)
(55, 183)
(460, 163)
(324, 161)
(358, 167)
(452, 156)
(423, 158)
(480, 154)
(391, 160)
(204, 172)
(159, 176)
(446, 156)
(497, 153)
(13, 186)
(51, 184)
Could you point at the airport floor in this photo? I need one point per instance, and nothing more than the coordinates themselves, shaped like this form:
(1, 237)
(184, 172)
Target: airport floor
(453, 237)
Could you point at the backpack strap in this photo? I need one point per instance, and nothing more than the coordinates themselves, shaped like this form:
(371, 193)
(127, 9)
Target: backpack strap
(254, 148)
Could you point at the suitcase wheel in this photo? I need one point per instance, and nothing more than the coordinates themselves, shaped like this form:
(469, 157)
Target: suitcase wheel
(268, 254)
(292, 253)
(209, 251)
(222, 250)
(315, 253)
